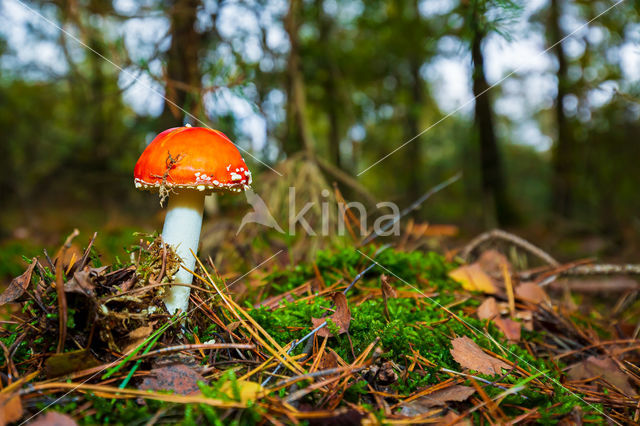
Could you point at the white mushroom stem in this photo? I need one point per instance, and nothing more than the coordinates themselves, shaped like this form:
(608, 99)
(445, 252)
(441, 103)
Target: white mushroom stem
(182, 227)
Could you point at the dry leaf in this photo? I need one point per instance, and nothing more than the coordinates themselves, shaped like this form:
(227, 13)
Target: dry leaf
(246, 391)
(488, 309)
(18, 285)
(437, 398)
(605, 368)
(53, 418)
(176, 377)
(83, 282)
(10, 408)
(68, 362)
(473, 278)
(328, 361)
(491, 262)
(388, 292)
(136, 337)
(531, 292)
(469, 355)
(341, 317)
(510, 328)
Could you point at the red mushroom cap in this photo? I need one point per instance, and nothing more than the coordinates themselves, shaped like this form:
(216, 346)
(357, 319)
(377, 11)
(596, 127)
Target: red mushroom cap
(192, 157)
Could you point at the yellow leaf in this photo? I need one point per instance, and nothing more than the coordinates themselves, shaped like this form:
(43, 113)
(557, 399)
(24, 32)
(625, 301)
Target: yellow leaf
(248, 390)
(473, 278)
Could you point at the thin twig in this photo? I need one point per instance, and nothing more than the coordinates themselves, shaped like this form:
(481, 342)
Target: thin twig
(498, 234)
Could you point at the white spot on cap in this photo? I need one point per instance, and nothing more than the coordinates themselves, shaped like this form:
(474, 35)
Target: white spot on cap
(200, 187)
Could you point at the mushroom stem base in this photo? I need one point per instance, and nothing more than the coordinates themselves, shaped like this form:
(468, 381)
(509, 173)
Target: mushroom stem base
(182, 227)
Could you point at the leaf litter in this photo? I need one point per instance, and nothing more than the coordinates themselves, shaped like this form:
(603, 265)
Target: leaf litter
(385, 348)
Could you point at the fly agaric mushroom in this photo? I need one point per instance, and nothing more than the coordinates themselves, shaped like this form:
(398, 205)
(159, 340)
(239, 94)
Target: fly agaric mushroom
(184, 164)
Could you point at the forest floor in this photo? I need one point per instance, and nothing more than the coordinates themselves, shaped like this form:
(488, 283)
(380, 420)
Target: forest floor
(375, 335)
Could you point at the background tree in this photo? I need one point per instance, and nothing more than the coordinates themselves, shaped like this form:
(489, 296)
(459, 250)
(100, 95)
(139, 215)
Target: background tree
(347, 80)
(183, 76)
(497, 207)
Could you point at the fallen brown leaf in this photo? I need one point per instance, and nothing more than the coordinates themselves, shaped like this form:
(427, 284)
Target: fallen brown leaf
(341, 317)
(605, 368)
(53, 418)
(488, 309)
(18, 285)
(387, 289)
(531, 292)
(10, 408)
(469, 355)
(510, 328)
(328, 361)
(474, 278)
(136, 337)
(83, 281)
(387, 292)
(176, 377)
(491, 262)
(437, 398)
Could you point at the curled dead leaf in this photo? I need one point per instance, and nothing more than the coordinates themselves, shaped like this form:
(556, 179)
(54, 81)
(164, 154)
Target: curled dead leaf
(469, 355)
(18, 285)
(388, 292)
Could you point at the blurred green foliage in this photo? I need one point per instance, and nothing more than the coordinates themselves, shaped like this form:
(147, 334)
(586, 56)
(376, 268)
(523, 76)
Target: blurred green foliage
(71, 134)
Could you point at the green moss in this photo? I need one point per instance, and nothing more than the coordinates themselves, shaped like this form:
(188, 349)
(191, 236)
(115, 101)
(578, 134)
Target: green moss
(347, 263)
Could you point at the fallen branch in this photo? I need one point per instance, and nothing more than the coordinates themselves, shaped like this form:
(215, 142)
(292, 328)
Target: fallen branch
(498, 234)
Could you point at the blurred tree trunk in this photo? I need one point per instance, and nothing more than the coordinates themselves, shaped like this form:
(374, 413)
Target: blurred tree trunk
(298, 134)
(98, 151)
(330, 85)
(496, 204)
(413, 160)
(562, 154)
(412, 152)
(183, 76)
